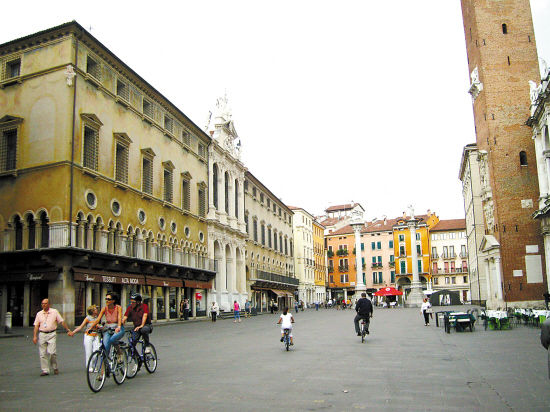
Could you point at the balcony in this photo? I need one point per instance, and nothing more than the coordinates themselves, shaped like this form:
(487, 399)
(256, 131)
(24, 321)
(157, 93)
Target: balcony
(435, 256)
(342, 252)
(448, 256)
(376, 265)
(273, 277)
(392, 263)
(463, 255)
(331, 269)
(343, 268)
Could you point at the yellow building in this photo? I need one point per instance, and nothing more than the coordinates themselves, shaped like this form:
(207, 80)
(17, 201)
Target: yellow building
(319, 255)
(103, 183)
(403, 249)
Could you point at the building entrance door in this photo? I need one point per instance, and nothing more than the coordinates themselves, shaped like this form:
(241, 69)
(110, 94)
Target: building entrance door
(15, 303)
(38, 292)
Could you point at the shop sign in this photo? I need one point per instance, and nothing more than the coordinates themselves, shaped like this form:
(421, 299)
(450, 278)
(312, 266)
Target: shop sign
(29, 276)
(118, 278)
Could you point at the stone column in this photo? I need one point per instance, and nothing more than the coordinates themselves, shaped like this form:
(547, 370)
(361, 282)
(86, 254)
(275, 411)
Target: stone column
(498, 279)
(167, 303)
(9, 240)
(416, 296)
(360, 287)
(153, 307)
(25, 237)
(211, 183)
(89, 294)
(26, 303)
(490, 296)
(103, 235)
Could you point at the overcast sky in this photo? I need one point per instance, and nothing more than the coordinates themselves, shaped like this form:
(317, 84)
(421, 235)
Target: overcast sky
(334, 101)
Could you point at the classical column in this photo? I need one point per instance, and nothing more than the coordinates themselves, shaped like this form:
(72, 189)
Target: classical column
(488, 279)
(498, 279)
(166, 303)
(360, 287)
(416, 296)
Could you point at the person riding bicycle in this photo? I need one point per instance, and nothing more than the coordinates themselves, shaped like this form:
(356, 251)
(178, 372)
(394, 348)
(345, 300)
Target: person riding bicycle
(138, 313)
(364, 310)
(113, 318)
(286, 320)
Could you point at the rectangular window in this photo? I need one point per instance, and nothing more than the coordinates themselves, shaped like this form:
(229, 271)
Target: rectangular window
(434, 253)
(373, 245)
(147, 108)
(452, 252)
(402, 250)
(331, 279)
(168, 123)
(380, 277)
(403, 268)
(464, 279)
(8, 150)
(401, 238)
(392, 274)
(417, 236)
(391, 244)
(447, 280)
(362, 246)
(445, 252)
(13, 69)
(202, 201)
(201, 150)
(374, 259)
(392, 258)
(186, 196)
(453, 280)
(419, 266)
(121, 163)
(147, 176)
(89, 156)
(380, 260)
(374, 277)
(269, 237)
(255, 227)
(122, 90)
(93, 68)
(418, 251)
(344, 278)
(378, 245)
(436, 281)
(168, 186)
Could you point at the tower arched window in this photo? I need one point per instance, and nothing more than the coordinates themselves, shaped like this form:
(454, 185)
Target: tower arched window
(31, 228)
(226, 192)
(504, 28)
(215, 183)
(522, 158)
(18, 226)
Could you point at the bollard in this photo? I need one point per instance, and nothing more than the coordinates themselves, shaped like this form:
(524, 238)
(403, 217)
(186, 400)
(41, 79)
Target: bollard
(7, 324)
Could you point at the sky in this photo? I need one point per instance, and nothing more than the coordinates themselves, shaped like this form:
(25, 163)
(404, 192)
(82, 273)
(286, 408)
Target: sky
(334, 101)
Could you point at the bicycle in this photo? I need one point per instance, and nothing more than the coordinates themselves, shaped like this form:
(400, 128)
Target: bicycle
(363, 329)
(286, 338)
(139, 353)
(101, 365)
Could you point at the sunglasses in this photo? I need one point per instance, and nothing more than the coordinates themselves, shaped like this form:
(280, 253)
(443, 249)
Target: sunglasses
(109, 299)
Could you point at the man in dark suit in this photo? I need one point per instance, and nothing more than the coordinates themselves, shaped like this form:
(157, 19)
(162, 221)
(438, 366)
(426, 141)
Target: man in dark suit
(364, 310)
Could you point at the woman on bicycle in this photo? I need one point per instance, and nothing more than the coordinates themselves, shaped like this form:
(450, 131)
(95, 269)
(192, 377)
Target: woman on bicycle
(91, 340)
(286, 320)
(113, 319)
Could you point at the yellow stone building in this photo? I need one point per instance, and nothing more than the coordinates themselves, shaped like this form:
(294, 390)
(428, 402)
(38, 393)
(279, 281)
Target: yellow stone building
(319, 256)
(103, 183)
(403, 249)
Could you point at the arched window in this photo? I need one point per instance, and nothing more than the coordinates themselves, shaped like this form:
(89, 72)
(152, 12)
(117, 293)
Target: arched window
(504, 28)
(522, 158)
(18, 226)
(226, 192)
(236, 198)
(215, 183)
(44, 230)
(31, 227)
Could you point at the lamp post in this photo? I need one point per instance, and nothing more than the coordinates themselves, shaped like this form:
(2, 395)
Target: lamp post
(357, 224)
(416, 296)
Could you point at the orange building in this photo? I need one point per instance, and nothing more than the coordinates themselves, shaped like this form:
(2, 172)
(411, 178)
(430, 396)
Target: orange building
(342, 273)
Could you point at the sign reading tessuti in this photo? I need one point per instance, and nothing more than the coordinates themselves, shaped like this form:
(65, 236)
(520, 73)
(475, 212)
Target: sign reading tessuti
(118, 278)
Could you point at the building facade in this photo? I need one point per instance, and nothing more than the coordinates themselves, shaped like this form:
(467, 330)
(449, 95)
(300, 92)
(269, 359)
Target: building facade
(449, 258)
(475, 228)
(304, 262)
(270, 265)
(540, 121)
(226, 210)
(320, 259)
(341, 263)
(103, 183)
(502, 59)
(378, 254)
(404, 254)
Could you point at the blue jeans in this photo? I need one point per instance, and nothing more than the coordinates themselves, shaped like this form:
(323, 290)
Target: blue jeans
(237, 315)
(109, 338)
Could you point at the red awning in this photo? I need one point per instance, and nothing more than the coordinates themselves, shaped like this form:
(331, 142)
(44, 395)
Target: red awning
(388, 292)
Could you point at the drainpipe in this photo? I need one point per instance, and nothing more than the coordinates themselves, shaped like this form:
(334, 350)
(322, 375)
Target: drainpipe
(71, 189)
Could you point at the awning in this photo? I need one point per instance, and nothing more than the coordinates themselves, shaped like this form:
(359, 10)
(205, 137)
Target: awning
(197, 284)
(167, 282)
(388, 292)
(281, 293)
(29, 275)
(90, 275)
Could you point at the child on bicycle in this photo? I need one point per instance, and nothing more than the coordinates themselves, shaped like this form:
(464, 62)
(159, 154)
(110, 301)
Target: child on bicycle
(286, 320)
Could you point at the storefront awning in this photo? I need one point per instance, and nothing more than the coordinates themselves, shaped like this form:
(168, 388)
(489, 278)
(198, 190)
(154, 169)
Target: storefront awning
(29, 275)
(90, 275)
(281, 293)
(197, 284)
(168, 282)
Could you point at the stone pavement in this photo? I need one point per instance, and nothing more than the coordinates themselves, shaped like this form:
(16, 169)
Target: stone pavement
(403, 366)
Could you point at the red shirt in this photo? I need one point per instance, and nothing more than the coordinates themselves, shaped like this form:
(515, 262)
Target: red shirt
(136, 315)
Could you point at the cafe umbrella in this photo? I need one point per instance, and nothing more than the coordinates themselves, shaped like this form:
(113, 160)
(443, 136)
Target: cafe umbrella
(389, 291)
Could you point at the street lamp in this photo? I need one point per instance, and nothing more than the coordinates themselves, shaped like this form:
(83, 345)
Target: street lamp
(357, 224)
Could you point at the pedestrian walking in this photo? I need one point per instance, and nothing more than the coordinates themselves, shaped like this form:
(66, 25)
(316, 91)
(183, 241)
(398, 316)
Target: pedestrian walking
(295, 306)
(272, 306)
(236, 311)
(185, 308)
(45, 327)
(91, 340)
(214, 309)
(247, 309)
(425, 309)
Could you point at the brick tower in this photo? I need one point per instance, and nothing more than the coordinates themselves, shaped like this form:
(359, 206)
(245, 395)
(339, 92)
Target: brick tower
(502, 58)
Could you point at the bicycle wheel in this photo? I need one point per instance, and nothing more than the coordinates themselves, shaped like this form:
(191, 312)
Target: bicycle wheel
(133, 362)
(95, 371)
(287, 342)
(363, 333)
(121, 367)
(150, 358)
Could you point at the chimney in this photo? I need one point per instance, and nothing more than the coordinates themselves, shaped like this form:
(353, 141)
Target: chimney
(429, 212)
(404, 215)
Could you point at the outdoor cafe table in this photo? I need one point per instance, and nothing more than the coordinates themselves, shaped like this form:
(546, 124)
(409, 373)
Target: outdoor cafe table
(460, 320)
(541, 315)
(497, 318)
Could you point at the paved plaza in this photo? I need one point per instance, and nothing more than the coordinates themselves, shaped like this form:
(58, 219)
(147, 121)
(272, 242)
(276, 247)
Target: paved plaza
(223, 366)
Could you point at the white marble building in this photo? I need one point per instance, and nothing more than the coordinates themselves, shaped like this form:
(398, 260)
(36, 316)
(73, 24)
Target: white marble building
(226, 225)
(304, 261)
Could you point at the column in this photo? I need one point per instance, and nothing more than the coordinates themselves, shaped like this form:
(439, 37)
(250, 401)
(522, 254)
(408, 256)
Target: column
(242, 225)
(211, 183)
(193, 304)
(89, 294)
(103, 238)
(26, 303)
(498, 278)
(488, 279)
(153, 307)
(166, 303)
(360, 287)
(25, 237)
(416, 296)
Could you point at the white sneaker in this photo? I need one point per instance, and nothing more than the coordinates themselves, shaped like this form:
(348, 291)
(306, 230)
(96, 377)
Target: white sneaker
(147, 349)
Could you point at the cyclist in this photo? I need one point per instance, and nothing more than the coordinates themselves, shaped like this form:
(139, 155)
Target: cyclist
(113, 319)
(364, 310)
(138, 313)
(286, 320)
